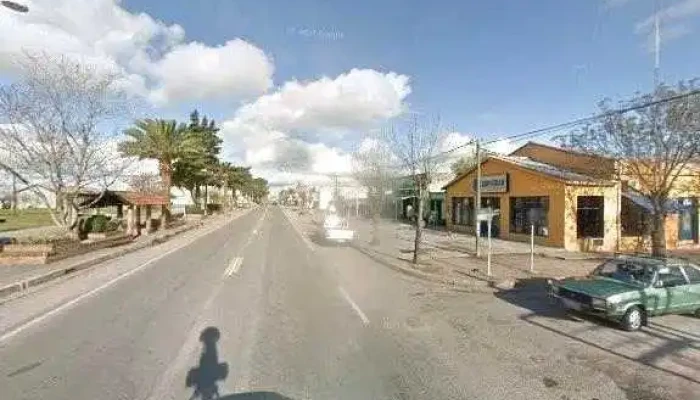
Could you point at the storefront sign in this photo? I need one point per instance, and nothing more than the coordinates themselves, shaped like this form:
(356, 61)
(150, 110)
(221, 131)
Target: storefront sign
(493, 184)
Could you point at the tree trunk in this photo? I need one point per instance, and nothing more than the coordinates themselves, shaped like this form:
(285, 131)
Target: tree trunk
(206, 199)
(419, 226)
(164, 220)
(658, 234)
(166, 175)
(375, 229)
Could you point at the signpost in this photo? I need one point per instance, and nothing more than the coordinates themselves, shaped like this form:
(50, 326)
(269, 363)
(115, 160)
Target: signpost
(487, 214)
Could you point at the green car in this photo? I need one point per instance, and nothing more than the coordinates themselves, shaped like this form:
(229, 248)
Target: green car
(629, 289)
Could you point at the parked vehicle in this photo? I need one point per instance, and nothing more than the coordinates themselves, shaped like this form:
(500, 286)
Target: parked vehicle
(336, 229)
(630, 289)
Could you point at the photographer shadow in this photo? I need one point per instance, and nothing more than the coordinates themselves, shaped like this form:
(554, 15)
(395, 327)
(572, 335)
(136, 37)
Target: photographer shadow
(204, 379)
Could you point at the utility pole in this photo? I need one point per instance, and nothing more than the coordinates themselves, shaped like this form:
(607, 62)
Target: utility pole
(657, 44)
(477, 203)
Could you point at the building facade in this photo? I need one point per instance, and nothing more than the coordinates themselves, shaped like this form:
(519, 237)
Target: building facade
(568, 199)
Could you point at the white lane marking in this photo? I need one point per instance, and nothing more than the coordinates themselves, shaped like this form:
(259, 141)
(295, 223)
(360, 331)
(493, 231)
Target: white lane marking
(354, 306)
(234, 266)
(9, 334)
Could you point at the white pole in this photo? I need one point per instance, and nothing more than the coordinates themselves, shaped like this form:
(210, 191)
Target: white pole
(477, 202)
(532, 248)
(488, 257)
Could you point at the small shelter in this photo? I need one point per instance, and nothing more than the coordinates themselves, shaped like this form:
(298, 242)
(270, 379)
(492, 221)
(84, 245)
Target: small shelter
(134, 202)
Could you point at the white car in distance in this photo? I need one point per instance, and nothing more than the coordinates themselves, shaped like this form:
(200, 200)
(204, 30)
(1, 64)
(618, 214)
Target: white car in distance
(336, 229)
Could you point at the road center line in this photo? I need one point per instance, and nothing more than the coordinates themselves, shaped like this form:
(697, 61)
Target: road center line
(354, 306)
(234, 266)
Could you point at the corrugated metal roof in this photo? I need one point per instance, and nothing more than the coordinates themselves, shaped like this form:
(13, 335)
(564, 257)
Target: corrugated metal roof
(548, 169)
(542, 168)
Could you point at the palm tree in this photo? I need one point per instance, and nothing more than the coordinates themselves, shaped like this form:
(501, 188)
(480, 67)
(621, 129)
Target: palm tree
(161, 140)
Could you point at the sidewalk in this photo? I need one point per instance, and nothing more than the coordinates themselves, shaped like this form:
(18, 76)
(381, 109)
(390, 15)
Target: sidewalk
(452, 257)
(15, 279)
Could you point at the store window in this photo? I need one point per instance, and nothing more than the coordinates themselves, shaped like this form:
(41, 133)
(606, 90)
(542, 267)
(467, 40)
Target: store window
(687, 219)
(463, 211)
(635, 219)
(528, 211)
(590, 217)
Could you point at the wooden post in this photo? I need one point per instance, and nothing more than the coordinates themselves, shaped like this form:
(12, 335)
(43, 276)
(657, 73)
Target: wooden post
(137, 220)
(488, 257)
(130, 221)
(532, 248)
(149, 220)
(120, 211)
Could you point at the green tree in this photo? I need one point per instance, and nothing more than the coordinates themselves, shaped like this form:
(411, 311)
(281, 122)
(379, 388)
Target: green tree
(161, 140)
(656, 141)
(199, 167)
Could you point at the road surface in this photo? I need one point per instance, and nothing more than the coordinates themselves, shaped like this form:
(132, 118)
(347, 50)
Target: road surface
(252, 309)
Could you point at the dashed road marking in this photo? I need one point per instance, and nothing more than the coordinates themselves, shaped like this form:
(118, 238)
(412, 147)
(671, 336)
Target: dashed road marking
(354, 306)
(234, 266)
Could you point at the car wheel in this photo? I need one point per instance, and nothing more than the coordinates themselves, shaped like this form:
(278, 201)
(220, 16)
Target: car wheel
(633, 319)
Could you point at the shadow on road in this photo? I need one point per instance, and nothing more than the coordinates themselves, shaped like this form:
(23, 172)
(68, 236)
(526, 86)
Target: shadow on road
(531, 294)
(658, 346)
(255, 396)
(204, 378)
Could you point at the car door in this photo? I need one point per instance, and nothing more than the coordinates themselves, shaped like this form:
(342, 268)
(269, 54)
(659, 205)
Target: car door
(692, 272)
(671, 291)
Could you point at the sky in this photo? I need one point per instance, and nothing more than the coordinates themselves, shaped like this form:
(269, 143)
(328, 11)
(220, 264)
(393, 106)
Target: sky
(297, 85)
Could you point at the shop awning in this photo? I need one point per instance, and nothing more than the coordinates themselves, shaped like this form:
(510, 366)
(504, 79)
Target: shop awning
(672, 205)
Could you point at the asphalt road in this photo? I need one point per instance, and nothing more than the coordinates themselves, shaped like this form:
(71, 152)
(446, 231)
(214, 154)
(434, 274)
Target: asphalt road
(254, 310)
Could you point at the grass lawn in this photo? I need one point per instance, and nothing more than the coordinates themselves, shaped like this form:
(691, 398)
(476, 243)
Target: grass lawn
(24, 219)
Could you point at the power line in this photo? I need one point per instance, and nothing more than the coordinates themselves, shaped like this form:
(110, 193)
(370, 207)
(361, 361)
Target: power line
(570, 124)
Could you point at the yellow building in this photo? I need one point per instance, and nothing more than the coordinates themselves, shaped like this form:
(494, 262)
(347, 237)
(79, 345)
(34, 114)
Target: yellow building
(571, 200)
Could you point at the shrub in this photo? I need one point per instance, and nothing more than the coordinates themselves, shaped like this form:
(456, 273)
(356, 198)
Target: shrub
(96, 224)
(193, 210)
(213, 208)
(112, 225)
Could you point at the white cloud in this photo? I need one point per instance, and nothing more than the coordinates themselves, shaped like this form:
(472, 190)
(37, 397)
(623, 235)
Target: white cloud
(286, 130)
(147, 52)
(196, 71)
(672, 21)
(350, 101)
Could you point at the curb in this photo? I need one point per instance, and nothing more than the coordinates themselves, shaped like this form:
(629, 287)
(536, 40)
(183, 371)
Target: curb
(462, 285)
(20, 286)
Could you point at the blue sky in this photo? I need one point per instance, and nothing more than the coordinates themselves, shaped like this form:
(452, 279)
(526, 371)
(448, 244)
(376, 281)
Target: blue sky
(488, 68)
(310, 79)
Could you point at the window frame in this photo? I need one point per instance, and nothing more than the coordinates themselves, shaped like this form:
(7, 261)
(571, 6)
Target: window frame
(543, 201)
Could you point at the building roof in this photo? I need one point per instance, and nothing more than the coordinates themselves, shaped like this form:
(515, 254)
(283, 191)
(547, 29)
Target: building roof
(113, 198)
(560, 149)
(540, 168)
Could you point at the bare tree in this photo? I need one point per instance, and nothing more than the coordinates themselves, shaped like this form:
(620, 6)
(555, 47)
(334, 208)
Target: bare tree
(54, 140)
(417, 147)
(375, 168)
(655, 138)
(146, 183)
